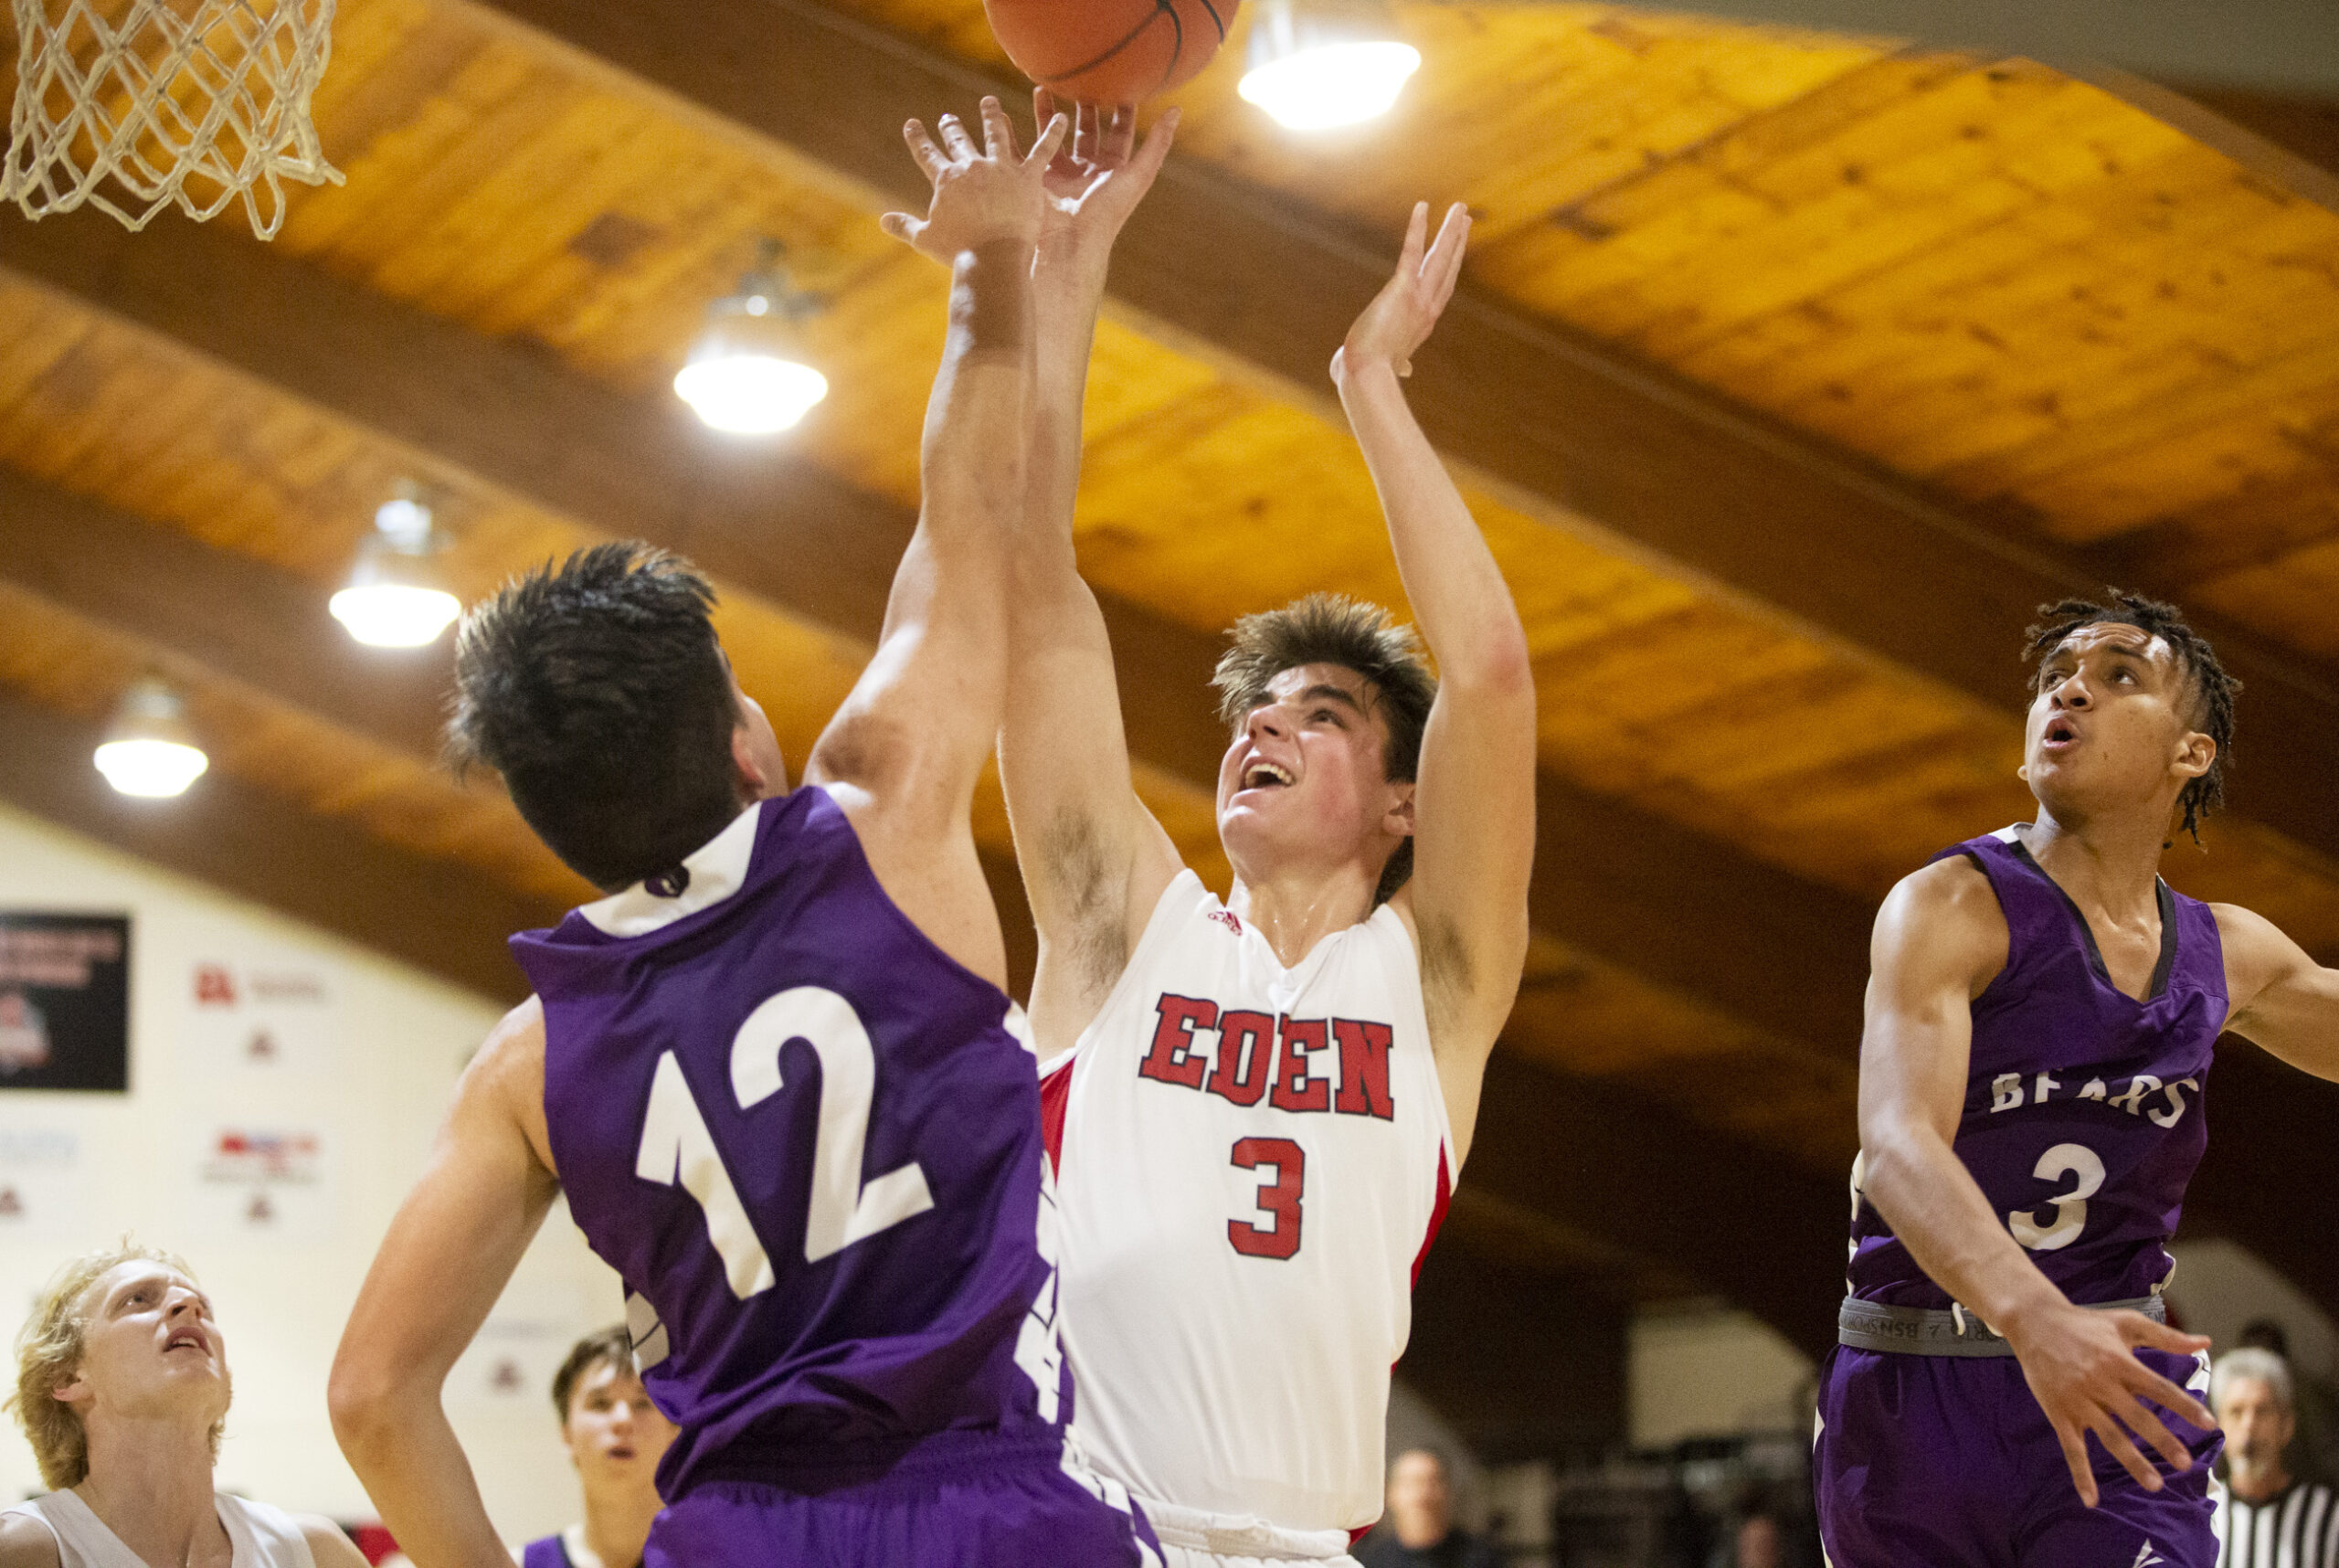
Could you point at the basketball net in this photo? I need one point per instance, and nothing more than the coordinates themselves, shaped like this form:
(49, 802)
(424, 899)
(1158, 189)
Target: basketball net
(154, 94)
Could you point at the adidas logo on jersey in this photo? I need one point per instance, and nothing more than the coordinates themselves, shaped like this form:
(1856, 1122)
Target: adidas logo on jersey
(1227, 918)
(1257, 1055)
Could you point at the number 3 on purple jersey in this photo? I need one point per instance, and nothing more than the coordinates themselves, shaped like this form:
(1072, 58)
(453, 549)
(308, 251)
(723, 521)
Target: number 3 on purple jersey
(677, 1148)
(2070, 1208)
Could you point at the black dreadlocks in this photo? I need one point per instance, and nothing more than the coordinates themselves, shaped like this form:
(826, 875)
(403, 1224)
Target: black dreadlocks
(2213, 690)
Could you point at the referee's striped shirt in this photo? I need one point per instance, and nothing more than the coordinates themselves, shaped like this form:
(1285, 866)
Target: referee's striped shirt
(2298, 1528)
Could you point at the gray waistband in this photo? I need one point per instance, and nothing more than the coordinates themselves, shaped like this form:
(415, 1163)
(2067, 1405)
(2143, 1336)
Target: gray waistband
(1924, 1331)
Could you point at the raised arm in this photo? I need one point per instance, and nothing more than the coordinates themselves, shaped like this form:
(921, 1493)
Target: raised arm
(1094, 860)
(449, 1254)
(1474, 802)
(904, 752)
(2282, 999)
(1939, 938)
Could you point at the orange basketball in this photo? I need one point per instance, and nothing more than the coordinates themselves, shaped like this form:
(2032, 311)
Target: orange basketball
(1110, 51)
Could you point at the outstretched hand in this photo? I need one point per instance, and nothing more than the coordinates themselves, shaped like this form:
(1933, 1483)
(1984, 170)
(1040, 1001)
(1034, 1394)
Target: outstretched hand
(1098, 175)
(1400, 318)
(980, 196)
(2082, 1368)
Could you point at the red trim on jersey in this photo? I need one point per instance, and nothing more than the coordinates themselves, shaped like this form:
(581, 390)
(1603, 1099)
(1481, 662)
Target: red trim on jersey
(1436, 1214)
(1360, 1531)
(1055, 1097)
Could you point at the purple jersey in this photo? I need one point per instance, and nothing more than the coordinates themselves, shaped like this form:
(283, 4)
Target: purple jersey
(809, 1143)
(2084, 1106)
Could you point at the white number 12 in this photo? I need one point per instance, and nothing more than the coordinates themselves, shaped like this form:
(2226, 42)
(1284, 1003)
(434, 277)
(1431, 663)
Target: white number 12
(677, 1148)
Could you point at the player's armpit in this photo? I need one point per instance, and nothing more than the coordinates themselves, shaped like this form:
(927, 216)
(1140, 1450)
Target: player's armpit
(450, 1251)
(2282, 1000)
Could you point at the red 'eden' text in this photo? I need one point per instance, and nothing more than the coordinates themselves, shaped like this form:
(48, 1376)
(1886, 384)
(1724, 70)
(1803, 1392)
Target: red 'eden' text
(1287, 1062)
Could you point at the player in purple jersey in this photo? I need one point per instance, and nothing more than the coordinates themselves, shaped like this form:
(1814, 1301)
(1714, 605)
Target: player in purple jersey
(2040, 1022)
(773, 1072)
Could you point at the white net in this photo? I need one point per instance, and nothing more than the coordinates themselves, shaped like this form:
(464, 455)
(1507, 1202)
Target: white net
(136, 105)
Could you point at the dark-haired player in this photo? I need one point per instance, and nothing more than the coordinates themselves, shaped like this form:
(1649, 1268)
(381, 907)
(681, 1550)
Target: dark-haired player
(615, 1436)
(773, 1071)
(1263, 1104)
(2040, 1023)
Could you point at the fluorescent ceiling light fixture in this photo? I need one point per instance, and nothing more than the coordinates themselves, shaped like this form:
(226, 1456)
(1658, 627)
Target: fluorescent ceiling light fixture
(1311, 73)
(394, 599)
(743, 376)
(149, 751)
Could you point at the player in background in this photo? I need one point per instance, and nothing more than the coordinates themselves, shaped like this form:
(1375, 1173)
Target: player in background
(773, 1071)
(615, 1436)
(1262, 1104)
(123, 1388)
(2041, 1016)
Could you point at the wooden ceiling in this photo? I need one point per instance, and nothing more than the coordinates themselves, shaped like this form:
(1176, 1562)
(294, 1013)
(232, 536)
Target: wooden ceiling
(1790, 370)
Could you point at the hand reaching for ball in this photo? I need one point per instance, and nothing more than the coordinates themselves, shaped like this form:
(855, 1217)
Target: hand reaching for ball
(1400, 318)
(1098, 176)
(980, 196)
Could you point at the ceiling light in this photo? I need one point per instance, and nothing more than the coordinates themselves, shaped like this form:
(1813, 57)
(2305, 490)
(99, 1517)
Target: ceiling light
(149, 749)
(1315, 68)
(394, 599)
(742, 375)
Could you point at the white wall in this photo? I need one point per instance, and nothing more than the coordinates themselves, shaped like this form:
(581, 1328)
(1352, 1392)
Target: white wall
(2220, 1288)
(1701, 1369)
(367, 1071)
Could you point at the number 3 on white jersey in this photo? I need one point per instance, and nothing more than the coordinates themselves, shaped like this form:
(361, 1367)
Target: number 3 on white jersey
(2070, 1208)
(677, 1148)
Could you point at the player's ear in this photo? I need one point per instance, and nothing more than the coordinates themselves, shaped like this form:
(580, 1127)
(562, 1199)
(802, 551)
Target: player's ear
(2196, 753)
(1399, 818)
(747, 761)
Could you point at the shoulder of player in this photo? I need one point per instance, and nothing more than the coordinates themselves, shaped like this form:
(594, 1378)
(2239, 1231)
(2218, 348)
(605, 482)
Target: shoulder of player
(2257, 952)
(328, 1546)
(26, 1543)
(1946, 911)
(508, 1069)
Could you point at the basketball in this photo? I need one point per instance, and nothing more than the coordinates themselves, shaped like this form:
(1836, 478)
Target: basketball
(1110, 51)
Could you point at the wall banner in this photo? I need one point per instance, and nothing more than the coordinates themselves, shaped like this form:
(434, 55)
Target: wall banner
(63, 1001)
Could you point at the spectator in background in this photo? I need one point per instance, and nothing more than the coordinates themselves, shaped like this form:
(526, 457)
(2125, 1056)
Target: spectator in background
(1762, 1542)
(2271, 1519)
(1418, 1532)
(615, 1437)
(2315, 1452)
(122, 1388)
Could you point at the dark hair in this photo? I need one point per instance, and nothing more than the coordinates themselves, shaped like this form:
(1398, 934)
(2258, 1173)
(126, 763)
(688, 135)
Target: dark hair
(1331, 628)
(610, 1347)
(598, 691)
(2213, 690)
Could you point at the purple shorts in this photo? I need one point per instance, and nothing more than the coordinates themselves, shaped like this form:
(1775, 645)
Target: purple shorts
(1941, 1462)
(957, 1500)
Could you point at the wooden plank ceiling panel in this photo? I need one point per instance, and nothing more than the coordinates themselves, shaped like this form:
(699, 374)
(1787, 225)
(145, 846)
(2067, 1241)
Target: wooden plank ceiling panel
(1982, 273)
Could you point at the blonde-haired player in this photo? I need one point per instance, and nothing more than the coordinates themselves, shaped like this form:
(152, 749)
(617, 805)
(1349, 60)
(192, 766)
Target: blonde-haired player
(1263, 1104)
(122, 1387)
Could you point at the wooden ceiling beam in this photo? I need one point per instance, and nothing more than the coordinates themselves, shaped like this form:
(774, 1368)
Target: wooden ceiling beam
(435, 916)
(1532, 408)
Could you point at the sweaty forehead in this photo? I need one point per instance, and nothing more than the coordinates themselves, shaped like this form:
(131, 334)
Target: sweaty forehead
(1300, 678)
(2116, 636)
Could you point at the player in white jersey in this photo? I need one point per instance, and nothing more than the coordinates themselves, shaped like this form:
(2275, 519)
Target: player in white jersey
(1263, 1104)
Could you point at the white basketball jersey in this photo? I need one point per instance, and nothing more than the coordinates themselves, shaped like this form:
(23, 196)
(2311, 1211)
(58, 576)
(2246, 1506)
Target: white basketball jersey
(1250, 1164)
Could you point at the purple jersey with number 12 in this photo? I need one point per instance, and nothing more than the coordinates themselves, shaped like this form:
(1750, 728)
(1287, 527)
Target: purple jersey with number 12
(809, 1143)
(2083, 1120)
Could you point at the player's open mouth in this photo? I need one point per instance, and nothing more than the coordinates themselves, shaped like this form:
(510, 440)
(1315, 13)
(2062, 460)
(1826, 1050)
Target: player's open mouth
(620, 1452)
(1266, 776)
(2061, 735)
(186, 1339)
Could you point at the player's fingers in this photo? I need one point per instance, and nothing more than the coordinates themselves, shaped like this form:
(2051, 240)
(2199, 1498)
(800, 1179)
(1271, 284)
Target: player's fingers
(1087, 132)
(1043, 108)
(2139, 1330)
(1409, 260)
(1444, 263)
(2074, 1447)
(2123, 1449)
(902, 227)
(2140, 1421)
(999, 131)
(1156, 150)
(1120, 133)
(2140, 1379)
(1050, 141)
(929, 156)
(955, 140)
